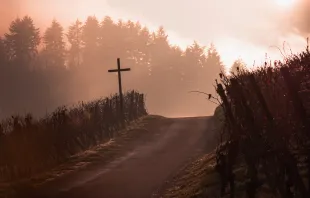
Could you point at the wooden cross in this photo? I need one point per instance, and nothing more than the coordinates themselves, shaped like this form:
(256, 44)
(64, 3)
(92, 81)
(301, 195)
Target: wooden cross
(119, 70)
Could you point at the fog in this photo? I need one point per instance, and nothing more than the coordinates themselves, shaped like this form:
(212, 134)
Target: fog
(246, 29)
(243, 24)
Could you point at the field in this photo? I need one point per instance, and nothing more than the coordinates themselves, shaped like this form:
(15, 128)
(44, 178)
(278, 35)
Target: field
(29, 146)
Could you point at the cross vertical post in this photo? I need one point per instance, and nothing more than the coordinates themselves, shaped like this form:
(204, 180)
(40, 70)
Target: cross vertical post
(119, 70)
(120, 86)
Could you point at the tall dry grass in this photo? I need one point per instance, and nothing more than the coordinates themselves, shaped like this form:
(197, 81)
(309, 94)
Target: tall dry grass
(30, 146)
(267, 117)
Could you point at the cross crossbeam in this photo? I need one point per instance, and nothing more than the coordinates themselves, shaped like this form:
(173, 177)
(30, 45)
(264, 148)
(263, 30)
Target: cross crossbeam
(116, 70)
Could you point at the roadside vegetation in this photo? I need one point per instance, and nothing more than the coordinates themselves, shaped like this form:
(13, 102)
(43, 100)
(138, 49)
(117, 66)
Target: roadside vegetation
(263, 130)
(29, 146)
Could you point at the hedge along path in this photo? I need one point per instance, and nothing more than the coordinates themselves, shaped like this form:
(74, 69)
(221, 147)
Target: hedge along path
(29, 147)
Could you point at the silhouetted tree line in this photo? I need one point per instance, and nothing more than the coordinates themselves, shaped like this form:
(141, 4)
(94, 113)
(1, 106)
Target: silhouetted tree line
(42, 70)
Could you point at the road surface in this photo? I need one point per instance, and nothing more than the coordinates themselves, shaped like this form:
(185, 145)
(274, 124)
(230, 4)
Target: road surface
(144, 171)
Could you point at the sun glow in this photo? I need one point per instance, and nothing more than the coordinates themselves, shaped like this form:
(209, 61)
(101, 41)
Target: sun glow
(285, 3)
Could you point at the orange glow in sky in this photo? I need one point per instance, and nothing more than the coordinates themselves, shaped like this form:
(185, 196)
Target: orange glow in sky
(244, 29)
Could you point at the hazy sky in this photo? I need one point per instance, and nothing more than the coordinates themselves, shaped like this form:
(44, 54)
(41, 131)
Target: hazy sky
(239, 28)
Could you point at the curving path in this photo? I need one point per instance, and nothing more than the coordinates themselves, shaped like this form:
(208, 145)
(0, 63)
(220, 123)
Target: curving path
(144, 171)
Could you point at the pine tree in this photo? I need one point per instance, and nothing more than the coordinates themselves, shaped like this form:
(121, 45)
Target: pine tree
(159, 42)
(214, 64)
(91, 40)
(74, 37)
(196, 53)
(22, 41)
(111, 41)
(195, 60)
(177, 60)
(54, 45)
(143, 42)
(159, 49)
(161, 36)
(131, 40)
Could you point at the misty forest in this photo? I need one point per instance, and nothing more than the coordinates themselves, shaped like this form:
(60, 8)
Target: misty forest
(41, 70)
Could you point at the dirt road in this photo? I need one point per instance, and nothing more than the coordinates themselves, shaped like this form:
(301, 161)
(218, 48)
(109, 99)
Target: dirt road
(144, 171)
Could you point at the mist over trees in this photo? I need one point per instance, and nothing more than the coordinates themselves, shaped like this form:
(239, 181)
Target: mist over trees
(43, 69)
